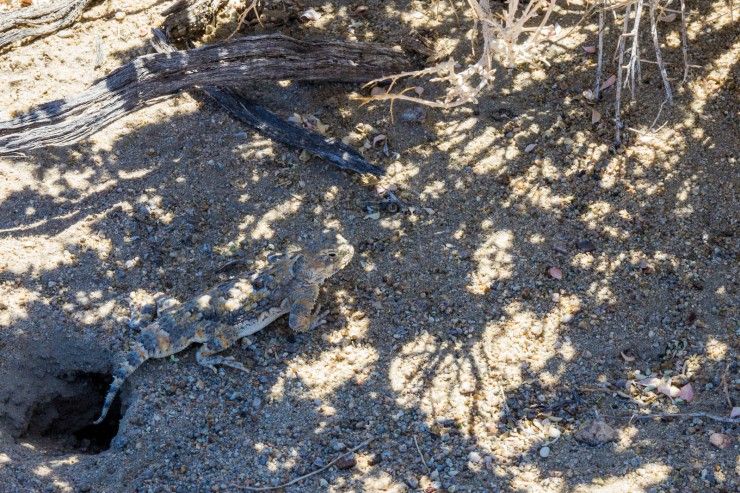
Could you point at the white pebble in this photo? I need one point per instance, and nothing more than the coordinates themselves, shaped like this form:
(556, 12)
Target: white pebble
(545, 452)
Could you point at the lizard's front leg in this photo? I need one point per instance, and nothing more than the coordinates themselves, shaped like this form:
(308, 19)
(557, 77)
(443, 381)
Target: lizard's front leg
(303, 317)
(224, 336)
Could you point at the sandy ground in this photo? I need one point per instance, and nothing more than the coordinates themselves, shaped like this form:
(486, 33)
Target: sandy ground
(472, 338)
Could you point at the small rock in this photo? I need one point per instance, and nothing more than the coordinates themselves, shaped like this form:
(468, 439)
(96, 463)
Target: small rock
(415, 114)
(475, 457)
(545, 452)
(720, 440)
(586, 245)
(412, 482)
(120, 15)
(337, 445)
(596, 432)
(347, 461)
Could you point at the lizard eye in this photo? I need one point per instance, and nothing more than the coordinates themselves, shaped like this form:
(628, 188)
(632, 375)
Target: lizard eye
(332, 254)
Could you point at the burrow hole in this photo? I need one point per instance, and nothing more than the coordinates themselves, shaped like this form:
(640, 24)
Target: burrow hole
(66, 421)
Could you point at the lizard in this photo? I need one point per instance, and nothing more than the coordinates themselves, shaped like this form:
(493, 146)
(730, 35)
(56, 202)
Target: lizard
(233, 310)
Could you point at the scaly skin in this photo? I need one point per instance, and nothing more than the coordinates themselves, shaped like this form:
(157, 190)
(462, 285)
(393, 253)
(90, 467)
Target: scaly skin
(235, 309)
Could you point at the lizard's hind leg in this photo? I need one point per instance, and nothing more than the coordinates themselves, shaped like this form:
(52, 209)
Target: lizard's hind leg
(225, 336)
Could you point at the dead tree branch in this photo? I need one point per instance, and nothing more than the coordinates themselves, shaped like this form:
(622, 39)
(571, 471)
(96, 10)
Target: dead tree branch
(275, 128)
(32, 22)
(149, 78)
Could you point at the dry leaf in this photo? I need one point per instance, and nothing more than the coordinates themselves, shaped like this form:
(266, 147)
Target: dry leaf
(609, 82)
(667, 18)
(530, 148)
(377, 91)
(595, 116)
(686, 393)
(374, 215)
(296, 118)
(668, 389)
(377, 139)
(555, 273)
(589, 94)
(419, 90)
(589, 49)
(720, 440)
(735, 412)
(310, 15)
(626, 357)
(650, 382)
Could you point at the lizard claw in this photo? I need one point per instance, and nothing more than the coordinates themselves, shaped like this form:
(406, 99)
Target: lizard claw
(319, 318)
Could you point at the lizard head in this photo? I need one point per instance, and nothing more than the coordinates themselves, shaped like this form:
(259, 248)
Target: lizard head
(326, 262)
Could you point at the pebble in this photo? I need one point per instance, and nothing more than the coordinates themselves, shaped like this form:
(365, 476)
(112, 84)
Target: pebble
(415, 114)
(120, 15)
(545, 452)
(337, 445)
(586, 245)
(347, 461)
(595, 432)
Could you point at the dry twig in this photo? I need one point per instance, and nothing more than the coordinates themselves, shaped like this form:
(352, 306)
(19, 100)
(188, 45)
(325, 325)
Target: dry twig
(600, 52)
(504, 38)
(712, 417)
(618, 97)
(658, 55)
(684, 43)
(312, 473)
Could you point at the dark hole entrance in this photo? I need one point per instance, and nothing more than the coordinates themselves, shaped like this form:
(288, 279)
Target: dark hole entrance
(66, 421)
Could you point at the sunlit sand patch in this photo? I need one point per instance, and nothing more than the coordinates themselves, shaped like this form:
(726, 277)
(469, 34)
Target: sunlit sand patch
(446, 379)
(264, 227)
(14, 304)
(637, 481)
(494, 260)
(334, 368)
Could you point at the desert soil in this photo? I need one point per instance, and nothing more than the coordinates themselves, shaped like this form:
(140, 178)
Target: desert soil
(477, 338)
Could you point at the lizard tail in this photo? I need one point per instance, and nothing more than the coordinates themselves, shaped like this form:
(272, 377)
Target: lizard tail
(133, 359)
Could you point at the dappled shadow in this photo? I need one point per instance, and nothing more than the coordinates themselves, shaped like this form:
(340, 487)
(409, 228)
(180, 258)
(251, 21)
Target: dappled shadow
(469, 333)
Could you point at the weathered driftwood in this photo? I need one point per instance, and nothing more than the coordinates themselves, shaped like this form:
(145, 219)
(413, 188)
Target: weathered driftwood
(150, 77)
(32, 22)
(275, 128)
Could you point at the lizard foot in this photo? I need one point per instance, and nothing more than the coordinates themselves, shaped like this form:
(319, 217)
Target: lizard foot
(318, 319)
(212, 361)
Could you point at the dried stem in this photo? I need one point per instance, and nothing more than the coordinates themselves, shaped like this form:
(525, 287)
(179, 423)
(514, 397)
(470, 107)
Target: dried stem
(501, 33)
(618, 98)
(713, 417)
(684, 42)
(600, 55)
(312, 473)
(658, 55)
(252, 7)
(635, 49)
